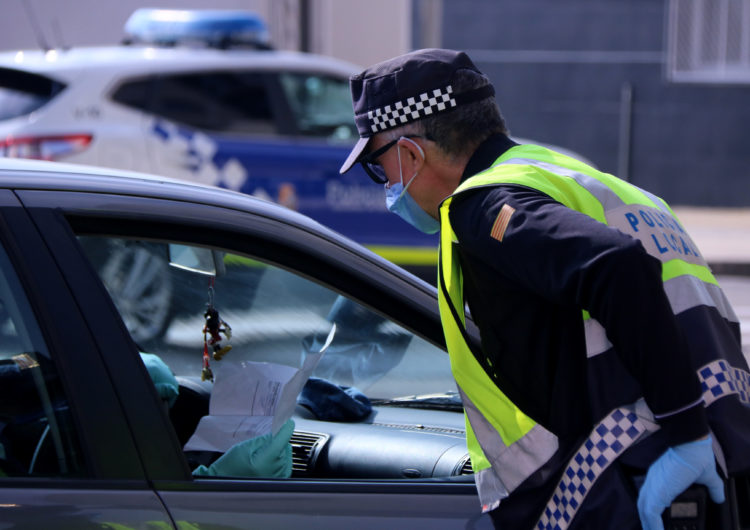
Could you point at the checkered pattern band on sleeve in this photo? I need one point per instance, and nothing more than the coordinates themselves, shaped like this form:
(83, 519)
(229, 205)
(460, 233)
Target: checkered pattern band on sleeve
(719, 379)
(615, 433)
(411, 109)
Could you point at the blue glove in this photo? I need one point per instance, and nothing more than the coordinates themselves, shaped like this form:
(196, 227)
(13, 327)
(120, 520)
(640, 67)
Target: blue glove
(163, 378)
(671, 474)
(264, 456)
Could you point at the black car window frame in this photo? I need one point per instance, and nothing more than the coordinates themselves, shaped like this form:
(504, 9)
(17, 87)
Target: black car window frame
(278, 242)
(37, 432)
(138, 404)
(84, 379)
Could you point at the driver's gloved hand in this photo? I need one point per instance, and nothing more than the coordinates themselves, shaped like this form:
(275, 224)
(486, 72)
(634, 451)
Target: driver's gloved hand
(671, 474)
(264, 456)
(163, 378)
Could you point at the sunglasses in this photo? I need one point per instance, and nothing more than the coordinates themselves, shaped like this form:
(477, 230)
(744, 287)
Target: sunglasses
(373, 168)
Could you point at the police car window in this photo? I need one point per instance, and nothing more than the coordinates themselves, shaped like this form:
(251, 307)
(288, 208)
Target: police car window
(321, 105)
(22, 93)
(222, 102)
(36, 430)
(136, 94)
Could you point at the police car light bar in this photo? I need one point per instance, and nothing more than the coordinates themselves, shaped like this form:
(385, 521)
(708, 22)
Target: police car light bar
(207, 27)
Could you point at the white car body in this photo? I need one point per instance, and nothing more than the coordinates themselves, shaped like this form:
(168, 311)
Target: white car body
(121, 136)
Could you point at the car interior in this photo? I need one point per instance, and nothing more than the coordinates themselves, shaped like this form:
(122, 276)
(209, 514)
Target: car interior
(369, 398)
(37, 437)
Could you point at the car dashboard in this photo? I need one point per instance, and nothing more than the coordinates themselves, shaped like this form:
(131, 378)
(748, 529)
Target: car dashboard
(392, 442)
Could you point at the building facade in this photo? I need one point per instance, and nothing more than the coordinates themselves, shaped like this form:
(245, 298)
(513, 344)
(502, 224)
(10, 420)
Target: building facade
(655, 91)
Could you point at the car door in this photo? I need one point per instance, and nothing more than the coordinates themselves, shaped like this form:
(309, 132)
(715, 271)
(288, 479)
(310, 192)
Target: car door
(265, 250)
(67, 457)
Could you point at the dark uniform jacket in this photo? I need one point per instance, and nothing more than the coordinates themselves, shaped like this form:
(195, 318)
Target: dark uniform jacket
(526, 294)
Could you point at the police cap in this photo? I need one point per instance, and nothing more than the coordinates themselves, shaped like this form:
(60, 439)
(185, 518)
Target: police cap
(405, 89)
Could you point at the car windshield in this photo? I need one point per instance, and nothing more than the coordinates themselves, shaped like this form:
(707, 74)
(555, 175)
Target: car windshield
(265, 313)
(321, 105)
(22, 93)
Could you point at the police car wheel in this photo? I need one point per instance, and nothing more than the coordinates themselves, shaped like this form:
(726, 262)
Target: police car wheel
(137, 277)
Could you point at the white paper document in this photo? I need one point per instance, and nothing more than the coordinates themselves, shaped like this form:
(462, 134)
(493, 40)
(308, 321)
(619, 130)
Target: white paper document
(251, 399)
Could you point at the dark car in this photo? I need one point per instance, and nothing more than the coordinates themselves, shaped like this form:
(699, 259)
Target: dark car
(97, 266)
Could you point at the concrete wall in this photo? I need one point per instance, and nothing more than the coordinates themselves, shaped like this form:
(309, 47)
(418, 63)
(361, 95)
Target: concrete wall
(364, 32)
(87, 22)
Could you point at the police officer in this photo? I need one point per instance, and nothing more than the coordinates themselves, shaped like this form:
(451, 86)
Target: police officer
(608, 351)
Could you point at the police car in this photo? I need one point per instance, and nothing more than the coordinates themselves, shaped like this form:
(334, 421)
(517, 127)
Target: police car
(200, 96)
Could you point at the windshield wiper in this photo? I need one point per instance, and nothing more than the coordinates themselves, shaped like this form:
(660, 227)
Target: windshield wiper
(440, 401)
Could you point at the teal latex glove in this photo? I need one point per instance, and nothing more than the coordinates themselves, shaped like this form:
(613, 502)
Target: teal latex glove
(264, 456)
(671, 474)
(163, 378)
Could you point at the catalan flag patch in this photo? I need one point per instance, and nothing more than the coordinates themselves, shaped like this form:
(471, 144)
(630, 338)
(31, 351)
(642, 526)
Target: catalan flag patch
(501, 222)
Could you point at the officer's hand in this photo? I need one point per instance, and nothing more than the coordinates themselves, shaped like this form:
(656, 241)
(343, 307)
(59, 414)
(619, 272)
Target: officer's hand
(265, 456)
(163, 378)
(671, 474)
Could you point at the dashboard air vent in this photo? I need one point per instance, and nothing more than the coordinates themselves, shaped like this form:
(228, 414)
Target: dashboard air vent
(466, 467)
(305, 448)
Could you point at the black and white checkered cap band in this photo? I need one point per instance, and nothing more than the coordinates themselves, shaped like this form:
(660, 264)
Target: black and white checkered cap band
(417, 107)
(615, 433)
(720, 379)
(411, 109)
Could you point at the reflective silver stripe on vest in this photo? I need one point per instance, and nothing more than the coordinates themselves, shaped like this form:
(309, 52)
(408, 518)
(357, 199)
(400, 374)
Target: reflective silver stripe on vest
(596, 337)
(598, 189)
(683, 292)
(687, 292)
(658, 201)
(487, 480)
(615, 433)
(719, 379)
(510, 464)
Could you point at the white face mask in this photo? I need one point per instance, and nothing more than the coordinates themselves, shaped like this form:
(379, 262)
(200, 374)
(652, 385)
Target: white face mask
(398, 200)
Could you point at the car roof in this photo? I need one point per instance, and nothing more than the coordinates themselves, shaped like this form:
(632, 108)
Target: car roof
(26, 174)
(40, 174)
(129, 60)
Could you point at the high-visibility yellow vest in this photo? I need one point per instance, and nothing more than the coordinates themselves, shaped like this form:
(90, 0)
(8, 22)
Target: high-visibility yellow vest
(505, 445)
